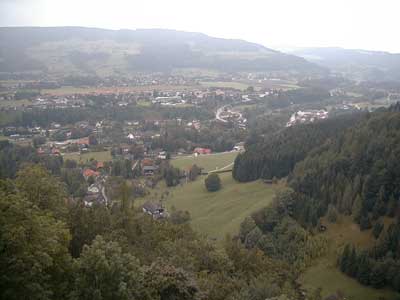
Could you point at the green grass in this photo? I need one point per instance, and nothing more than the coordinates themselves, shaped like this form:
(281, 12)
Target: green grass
(14, 103)
(226, 84)
(219, 213)
(99, 156)
(144, 103)
(208, 162)
(326, 275)
(67, 90)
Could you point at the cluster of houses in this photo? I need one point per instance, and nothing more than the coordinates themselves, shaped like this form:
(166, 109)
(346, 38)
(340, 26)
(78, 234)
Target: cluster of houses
(308, 116)
(226, 115)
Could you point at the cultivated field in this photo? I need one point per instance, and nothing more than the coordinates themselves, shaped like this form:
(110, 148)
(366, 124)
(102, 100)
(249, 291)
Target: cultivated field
(228, 84)
(69, 90)
(208, 162)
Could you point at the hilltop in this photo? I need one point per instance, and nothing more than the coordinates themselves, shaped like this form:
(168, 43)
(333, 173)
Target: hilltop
(72, 50)
(355, 63)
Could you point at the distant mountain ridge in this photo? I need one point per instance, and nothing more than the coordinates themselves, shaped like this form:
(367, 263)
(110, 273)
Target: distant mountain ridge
(93, 50)
(356, 63)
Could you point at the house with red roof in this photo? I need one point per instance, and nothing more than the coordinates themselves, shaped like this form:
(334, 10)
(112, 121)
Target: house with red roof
(90, 173)
(199, 150)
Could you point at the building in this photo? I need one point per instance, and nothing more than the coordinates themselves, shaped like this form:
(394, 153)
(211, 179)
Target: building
(90, 173)
(156, 210)
(239, 147)
(149, 170)
(202, 151)
(309, 116)
(162, 155)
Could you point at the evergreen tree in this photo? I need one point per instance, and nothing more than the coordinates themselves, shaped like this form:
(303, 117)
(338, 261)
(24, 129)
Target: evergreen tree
(392, 206)
(357, 208)
(365, 223)
(344, 259)
(377, 276)
(363, 269)
(352, 262)
(377, 229)
(213, 182)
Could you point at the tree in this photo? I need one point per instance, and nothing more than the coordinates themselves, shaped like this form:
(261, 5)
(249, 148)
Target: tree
(377, 229)
(252, 238)
(38, 140)
(391, 207)
(166, 282)
(34, 259)
(104, 272)
(352, 262)
(213, 182)
(344, 259)
(332, 213)
(365, 223)
(246, 227)
(357, 208)
(171, 176)
(364, 268)
(92, 140)
(41, 189)
(194, 172)
(180, 216)
(377, 276)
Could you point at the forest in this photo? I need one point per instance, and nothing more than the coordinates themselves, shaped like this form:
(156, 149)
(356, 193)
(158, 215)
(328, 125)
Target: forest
(354, 172)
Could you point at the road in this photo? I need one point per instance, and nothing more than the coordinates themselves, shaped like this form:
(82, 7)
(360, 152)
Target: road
(218, 113)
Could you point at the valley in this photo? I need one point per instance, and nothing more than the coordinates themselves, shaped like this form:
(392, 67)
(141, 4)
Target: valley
(195, 167)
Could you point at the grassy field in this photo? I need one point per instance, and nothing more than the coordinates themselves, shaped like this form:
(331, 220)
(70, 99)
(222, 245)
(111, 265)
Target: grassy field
(228, 84)
(326, 275)
(68, 90)
(220, 213)
(14, 103)
(208, 162)
(99, 156)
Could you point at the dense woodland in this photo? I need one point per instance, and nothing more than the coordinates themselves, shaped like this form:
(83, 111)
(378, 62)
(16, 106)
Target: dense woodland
(349, 167)
(54, 248)
(276, 154)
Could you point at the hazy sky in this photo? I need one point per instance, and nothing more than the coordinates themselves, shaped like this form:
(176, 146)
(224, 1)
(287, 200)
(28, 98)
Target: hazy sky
(364, 24)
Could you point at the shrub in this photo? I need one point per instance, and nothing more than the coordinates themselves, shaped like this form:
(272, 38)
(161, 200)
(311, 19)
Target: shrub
(213, 182)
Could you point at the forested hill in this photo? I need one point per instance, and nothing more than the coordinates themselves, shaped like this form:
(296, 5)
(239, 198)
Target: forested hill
(354, 63)
(358, 172)
(353, 172)
(276, 155)
(68, 50)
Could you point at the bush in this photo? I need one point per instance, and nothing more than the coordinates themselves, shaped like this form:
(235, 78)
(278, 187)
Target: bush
(212, 182)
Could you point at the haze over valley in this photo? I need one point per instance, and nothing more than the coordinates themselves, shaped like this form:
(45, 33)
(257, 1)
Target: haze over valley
(199, 162)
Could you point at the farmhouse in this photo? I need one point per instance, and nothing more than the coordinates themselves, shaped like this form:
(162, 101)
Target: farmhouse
(149, 170)
(90, 173)
(155, 210)
(202, 151)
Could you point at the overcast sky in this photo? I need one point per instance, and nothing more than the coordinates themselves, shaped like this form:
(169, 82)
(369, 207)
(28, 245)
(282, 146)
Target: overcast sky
(362, 24)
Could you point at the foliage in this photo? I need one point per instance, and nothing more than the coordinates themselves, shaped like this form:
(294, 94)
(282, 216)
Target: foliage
(34, 256)
(277, 155)
(212, 182)
(279, 236)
